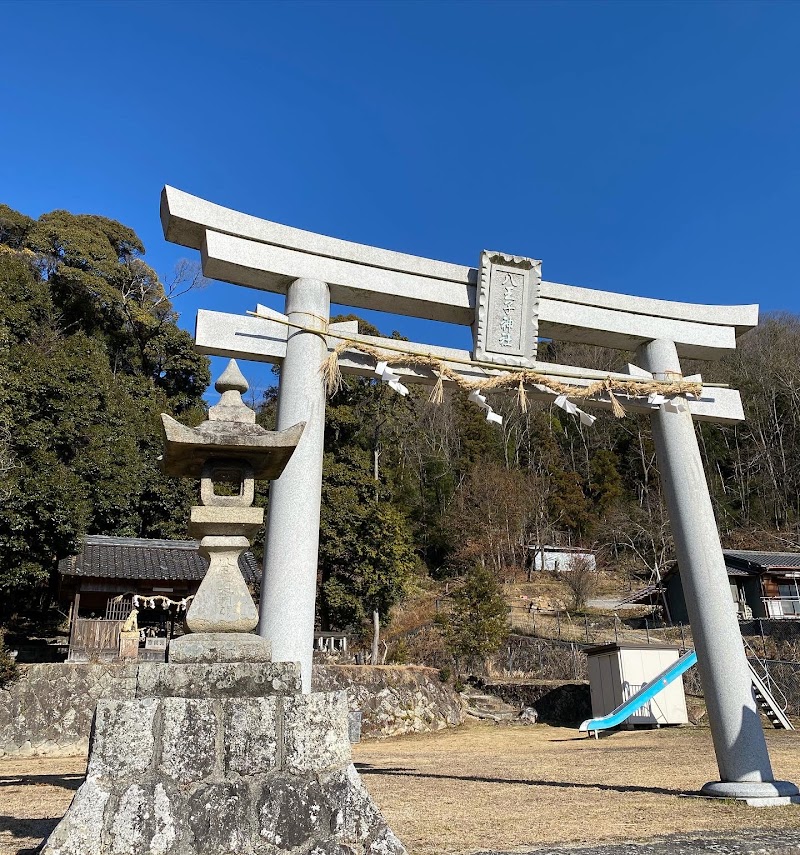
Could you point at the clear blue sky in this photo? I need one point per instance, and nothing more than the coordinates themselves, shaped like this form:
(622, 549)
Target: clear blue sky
(647, 148)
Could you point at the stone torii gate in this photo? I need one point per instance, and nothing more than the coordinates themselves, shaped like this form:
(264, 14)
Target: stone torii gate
(509, 307)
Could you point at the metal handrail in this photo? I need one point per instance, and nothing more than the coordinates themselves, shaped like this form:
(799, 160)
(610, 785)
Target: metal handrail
(772, 687)
(792, 614)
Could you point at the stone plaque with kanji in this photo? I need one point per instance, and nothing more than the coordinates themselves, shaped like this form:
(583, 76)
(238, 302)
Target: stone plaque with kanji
(506, 312)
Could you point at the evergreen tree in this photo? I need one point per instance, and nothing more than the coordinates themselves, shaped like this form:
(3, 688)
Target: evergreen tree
(89, 357)
(476, 624)
(606, 481)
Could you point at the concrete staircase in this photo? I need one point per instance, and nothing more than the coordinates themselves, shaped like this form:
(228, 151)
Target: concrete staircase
(480, 705)
(768, 705)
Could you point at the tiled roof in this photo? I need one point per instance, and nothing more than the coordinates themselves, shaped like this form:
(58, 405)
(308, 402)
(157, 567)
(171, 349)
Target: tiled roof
(739, 571)
(766, 560)
(139, 558)
(644, 595)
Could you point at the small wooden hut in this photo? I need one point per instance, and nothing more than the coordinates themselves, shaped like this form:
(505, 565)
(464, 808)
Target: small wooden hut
(116, 578)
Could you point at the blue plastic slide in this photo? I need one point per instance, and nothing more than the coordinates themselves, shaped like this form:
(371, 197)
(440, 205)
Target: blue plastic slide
(646, 693)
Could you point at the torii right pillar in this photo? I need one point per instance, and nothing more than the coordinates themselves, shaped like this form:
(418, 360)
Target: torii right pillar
(744, 766)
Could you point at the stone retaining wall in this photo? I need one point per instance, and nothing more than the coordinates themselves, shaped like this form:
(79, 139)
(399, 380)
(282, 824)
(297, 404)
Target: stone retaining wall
(49, 710)
(394, 700)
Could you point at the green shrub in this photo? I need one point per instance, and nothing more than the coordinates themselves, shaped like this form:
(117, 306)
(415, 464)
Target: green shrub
(399, 653)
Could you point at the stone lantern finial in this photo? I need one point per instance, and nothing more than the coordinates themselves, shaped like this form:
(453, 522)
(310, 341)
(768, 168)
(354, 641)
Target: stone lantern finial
(231, 408)
(231, 380)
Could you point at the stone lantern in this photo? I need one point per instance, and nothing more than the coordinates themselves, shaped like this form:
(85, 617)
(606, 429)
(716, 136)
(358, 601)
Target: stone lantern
(228, 452)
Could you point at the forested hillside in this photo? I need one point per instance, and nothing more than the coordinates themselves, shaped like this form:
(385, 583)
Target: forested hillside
(413, 488)
(89, 356)
(453, 491)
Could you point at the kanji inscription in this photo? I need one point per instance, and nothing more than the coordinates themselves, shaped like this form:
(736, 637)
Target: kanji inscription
(505, 329)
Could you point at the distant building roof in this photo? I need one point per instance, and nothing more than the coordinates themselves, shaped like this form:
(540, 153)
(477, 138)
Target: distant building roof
(751, 562)
(732, 570)
(739, 562)
(644, 595)
(766, 560)
(141, 558)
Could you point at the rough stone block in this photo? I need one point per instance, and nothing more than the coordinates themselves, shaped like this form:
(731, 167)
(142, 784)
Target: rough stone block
(330, 847)
(291, 810)
(356, 821)
(124, 745)
(218, 817)
(315, 731)
(189, 739)
(250, 735)
(217, 680)
(165, 821)
(129, 825)
(208, 647)
(146, 819)
(81, 829)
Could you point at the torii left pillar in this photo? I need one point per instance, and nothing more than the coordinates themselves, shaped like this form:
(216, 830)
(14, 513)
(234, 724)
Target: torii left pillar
(289, 584)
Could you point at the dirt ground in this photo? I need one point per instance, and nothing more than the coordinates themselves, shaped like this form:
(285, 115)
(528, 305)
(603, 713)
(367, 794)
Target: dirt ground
(485, 786)
(33, 796)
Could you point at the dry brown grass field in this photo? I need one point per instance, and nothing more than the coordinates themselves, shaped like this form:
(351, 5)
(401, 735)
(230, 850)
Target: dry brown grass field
(34, 794)
(485, 786)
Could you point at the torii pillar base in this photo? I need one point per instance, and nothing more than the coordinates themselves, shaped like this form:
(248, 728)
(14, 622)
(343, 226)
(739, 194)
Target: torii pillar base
(754, 793)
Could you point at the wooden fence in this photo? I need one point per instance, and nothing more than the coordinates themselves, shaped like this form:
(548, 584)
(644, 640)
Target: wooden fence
(92, 637)
(118, 609)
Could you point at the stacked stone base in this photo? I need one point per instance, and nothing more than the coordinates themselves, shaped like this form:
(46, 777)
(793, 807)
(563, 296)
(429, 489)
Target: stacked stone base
(222, 759)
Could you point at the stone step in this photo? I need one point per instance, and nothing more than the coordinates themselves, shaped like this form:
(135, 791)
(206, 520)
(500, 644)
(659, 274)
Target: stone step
(481, 705)
(486, 708)
(489, 701)
(499, 716)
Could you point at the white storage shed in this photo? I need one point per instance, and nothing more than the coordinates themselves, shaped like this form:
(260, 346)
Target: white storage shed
(618, 671)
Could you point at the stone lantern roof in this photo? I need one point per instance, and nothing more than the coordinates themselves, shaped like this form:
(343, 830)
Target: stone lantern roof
(230, 432)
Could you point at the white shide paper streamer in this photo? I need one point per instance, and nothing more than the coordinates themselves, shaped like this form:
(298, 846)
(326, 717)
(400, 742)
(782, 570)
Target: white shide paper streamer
(567, 405)
(388, 376)
(491, 416)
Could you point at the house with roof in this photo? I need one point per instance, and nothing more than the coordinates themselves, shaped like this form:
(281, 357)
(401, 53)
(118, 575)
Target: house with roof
(558, 559)
(127, 596)
(763, 585)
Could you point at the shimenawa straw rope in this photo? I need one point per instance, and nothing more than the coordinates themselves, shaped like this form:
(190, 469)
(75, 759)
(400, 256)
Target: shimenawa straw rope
(519, 377)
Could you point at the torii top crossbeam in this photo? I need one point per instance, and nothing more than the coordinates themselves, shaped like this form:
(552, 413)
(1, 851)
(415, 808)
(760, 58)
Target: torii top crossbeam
(257, 253)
